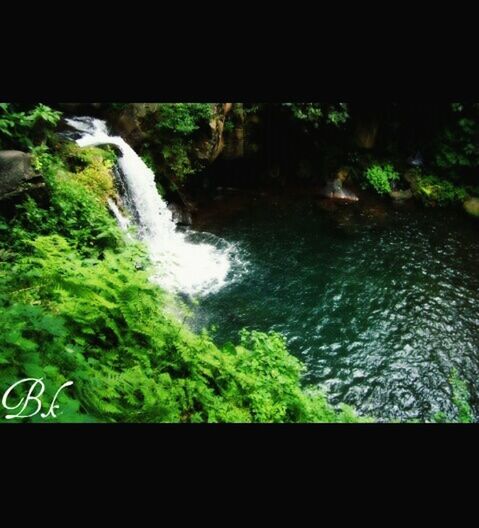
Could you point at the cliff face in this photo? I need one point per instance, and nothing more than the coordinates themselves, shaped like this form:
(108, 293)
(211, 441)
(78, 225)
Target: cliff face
(224, 136)
(137, 124)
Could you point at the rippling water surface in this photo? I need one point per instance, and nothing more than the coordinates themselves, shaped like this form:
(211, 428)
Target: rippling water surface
(379, 302)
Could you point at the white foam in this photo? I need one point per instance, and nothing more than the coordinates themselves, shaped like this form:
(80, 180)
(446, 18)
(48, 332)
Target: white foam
(182, 265)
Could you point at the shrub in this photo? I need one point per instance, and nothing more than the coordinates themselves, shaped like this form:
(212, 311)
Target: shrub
(104, 326)
(18, 128)
(76, 209)
(461, 400)
(183, 118)
(456, 146)
(380, 177)
(317, 113)
(437, 191)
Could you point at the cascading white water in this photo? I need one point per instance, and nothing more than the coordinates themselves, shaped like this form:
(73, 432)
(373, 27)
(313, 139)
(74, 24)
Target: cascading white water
(123, 222)
(193, 268)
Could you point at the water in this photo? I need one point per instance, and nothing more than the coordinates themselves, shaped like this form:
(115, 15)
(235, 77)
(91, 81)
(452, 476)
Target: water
(379, 302)
(195, 264)
(123, 222)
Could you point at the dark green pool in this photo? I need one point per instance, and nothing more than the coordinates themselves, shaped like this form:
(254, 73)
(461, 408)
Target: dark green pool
(379, 301)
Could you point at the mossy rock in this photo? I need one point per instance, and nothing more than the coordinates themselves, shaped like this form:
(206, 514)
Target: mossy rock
(17, 176)
(472, 206)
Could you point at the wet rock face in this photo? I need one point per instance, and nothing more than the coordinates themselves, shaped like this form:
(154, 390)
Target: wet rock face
(181, 215)
(234, 137)
(335, 188)
(17, 176)
(136, 122)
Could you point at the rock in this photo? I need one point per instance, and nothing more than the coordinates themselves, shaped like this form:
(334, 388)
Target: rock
(136, 122)
(17, 176)
(212, 145)
(401, 195)
(234, 136)
(472, 207)
(180, 215)
(335, 189)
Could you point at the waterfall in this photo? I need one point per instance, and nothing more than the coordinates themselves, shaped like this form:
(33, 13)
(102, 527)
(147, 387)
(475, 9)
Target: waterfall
(123, 222)
(181, 264)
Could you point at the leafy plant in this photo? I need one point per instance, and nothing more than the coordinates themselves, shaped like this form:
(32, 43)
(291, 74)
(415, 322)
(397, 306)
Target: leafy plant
(457, 146)
(18, 127)
(433, 190)
(77, 202)
(380, 177)
(183, 118)
(461, 398)
(130, 361)
(316, 113)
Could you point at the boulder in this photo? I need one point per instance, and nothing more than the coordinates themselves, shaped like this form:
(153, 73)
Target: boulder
(472, 207)
(136, 122)
(401, 195)
(180, 215)
(17, 176)
(335, 189)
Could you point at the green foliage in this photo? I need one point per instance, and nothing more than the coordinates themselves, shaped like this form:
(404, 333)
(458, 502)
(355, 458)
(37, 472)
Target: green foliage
(461, 398)
(433, 190)
(178, 122)
(183, 118)
(77, 202)
(457, 147)
(174, 128)
(176, 155)
(77, 304)
(20, 127)
(31, 344)
(317, 113)
(118, 106)
(380, 177)
(131, 362)
(270, 381)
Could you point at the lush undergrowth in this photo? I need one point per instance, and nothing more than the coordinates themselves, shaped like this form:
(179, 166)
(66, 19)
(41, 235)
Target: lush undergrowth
(76, 304)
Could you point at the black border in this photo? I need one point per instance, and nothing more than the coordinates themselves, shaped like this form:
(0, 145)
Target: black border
(212, 65)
